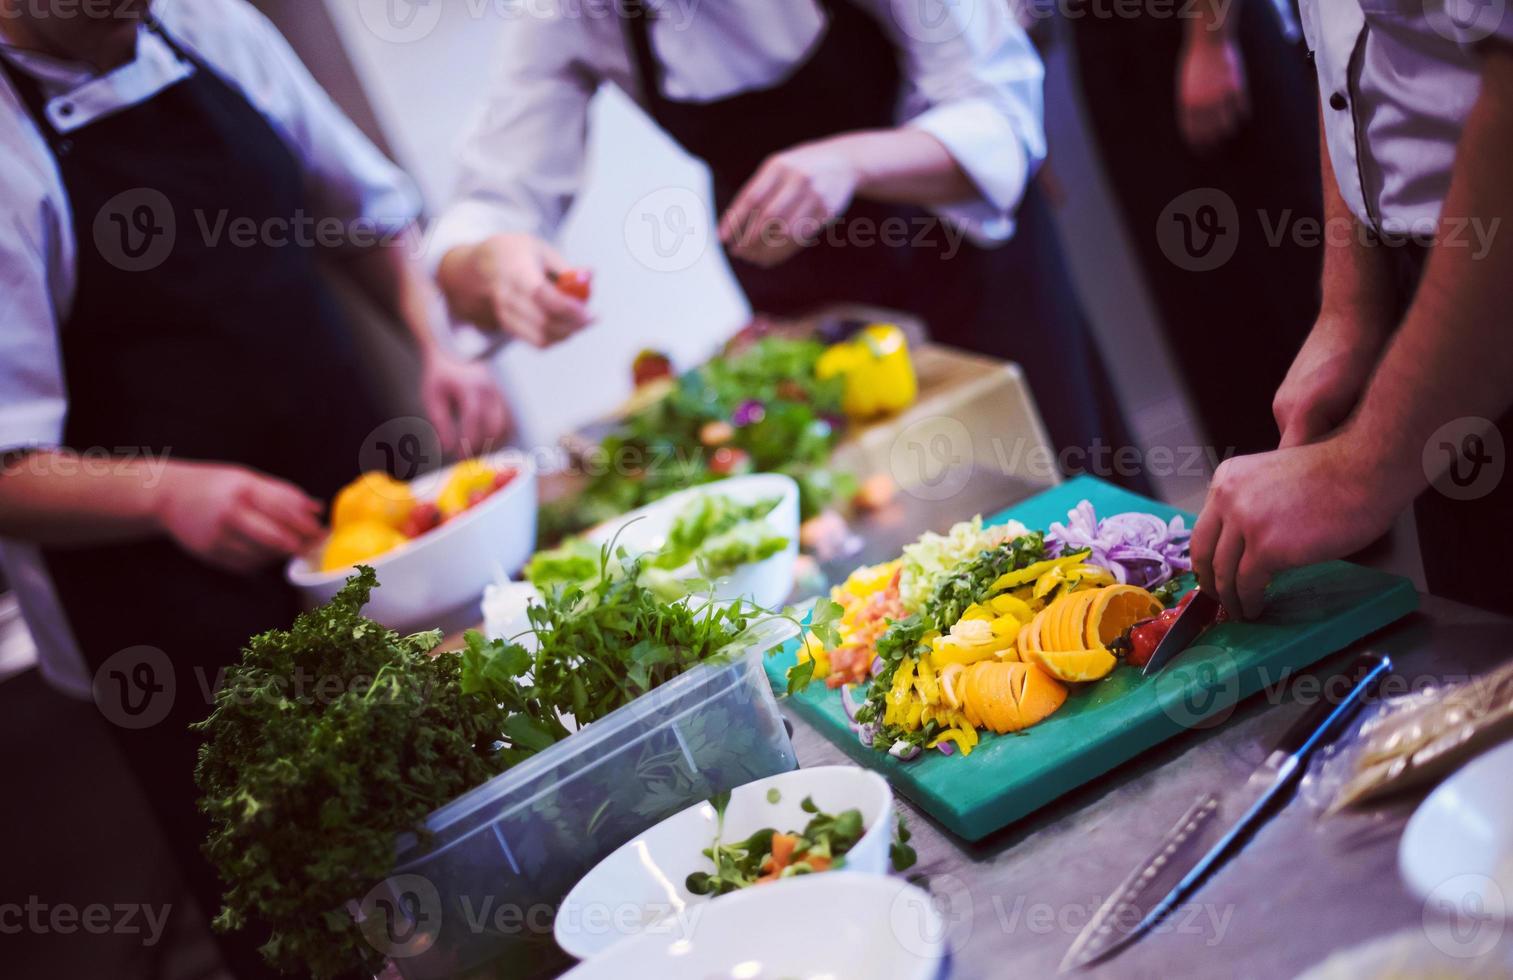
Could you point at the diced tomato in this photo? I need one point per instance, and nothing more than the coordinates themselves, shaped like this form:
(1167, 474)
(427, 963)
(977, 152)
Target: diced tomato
(575, 283)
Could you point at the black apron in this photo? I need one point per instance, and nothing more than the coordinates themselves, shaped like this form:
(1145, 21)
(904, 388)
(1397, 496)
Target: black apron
(1013, 302)
(1449, 528)
(219, 353)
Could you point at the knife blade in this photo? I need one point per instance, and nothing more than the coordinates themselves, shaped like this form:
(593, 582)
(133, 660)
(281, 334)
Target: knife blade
(1199, 614)
(1214, 825)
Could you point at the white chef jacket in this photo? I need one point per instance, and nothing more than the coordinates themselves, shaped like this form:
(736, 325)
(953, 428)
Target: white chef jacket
(972, 80)
(1397, 79)
(349, 180)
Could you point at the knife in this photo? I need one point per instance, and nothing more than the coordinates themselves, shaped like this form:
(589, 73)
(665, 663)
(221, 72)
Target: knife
(1198, 615)
(1213, 826)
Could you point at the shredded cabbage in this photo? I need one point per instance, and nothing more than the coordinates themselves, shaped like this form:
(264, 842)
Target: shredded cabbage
(934, 556)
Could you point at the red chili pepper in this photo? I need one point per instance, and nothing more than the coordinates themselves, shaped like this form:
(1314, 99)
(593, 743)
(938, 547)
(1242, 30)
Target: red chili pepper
(573, 282)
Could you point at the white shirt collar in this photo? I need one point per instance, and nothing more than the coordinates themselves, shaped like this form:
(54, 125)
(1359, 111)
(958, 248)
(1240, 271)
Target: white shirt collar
(78, 96)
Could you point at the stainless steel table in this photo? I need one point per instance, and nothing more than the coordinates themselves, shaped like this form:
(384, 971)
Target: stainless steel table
(1301, 889)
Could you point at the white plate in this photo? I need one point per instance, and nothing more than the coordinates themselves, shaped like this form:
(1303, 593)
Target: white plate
(447, 568)
(640, 887)
(1458, 847)
(766, 583)
(833, 926)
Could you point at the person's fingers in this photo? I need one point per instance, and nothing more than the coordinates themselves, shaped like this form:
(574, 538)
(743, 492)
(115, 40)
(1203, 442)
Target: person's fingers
(1227, 557)
(524, 320)
(265, 537)
(558, 305)
(436, 401)
(748, 201)
(496, 415)
(1302, 429)
(1204, 540)
(290, 506)
(1251, 581)
(470, 417)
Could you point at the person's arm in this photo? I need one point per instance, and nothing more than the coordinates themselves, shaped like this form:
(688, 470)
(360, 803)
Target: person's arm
(461, 398)
(970, 138)
(520, 168)
(227, 516)
(1450, 360)
(1212, 97)
(1356, 314)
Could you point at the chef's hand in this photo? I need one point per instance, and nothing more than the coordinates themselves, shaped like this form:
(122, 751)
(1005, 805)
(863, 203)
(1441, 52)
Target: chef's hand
(788, 202)
(236, 518)
(1274, 511)
(1212, 100)
(505, 283)
(1326, 380)
(463, 402)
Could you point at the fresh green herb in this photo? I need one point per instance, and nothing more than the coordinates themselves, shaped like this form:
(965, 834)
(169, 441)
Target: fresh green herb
(1171, 590)
(902, 855)
(574, 562)
(774, 796)
(307, 785)
(767, 854)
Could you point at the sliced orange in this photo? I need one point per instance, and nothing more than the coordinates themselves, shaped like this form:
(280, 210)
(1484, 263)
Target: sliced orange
(1040, 697)
(1076, 666)
(1116, 609)
(1076, 619)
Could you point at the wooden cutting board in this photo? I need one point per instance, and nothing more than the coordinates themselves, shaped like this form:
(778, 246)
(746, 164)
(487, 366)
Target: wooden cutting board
(1311, 613)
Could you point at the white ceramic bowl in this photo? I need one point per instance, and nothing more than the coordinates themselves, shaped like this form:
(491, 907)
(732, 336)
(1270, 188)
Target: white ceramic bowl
(640, 887)
(832, 926)
(1457, 849)
(766, 583)
(445, 570)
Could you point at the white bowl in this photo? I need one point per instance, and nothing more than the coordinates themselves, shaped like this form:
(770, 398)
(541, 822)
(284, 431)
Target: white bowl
(446, 569)
(831, 926)
(1458, 845)
(767, 583)
(640, 886)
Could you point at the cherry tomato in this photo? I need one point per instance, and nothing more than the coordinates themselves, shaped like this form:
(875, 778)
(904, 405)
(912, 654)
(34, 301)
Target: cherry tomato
(424, 517)
(727, 460)
(575, 283)
(503, 478)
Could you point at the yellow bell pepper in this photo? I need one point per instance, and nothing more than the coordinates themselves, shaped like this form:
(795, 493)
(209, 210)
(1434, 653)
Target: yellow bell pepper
(1030, 573)
(877, 370)
(965, 739)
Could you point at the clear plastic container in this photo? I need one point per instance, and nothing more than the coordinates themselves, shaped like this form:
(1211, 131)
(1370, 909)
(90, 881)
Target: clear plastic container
(504, 855)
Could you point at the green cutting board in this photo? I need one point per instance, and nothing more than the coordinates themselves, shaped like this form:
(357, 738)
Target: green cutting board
(1311, 613)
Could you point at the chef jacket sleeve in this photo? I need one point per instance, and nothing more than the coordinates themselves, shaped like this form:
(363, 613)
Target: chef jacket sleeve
(349, 179)
(521, 162)
(975, 84)
(32, 397)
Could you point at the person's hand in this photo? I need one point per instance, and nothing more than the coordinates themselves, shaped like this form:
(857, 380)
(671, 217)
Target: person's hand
(789, 201)
(1212, 100)
(505, 283)
(463, 402)
(1326, 380)
(1279, 510)
(236, 518)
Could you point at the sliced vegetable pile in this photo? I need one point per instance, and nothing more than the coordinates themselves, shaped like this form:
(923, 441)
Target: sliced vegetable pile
(984, 628)
(768, 855)
(331, 738)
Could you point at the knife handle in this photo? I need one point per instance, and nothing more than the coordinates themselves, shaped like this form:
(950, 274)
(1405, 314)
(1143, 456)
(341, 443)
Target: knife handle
(1325, 720)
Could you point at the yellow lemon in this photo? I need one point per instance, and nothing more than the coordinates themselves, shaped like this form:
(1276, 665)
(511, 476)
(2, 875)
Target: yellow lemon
(358, 542)
(467, 477)
(373, 497)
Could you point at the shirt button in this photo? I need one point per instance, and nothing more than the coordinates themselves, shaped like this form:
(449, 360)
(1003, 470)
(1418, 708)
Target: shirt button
(66, 109)
(1337, 101)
